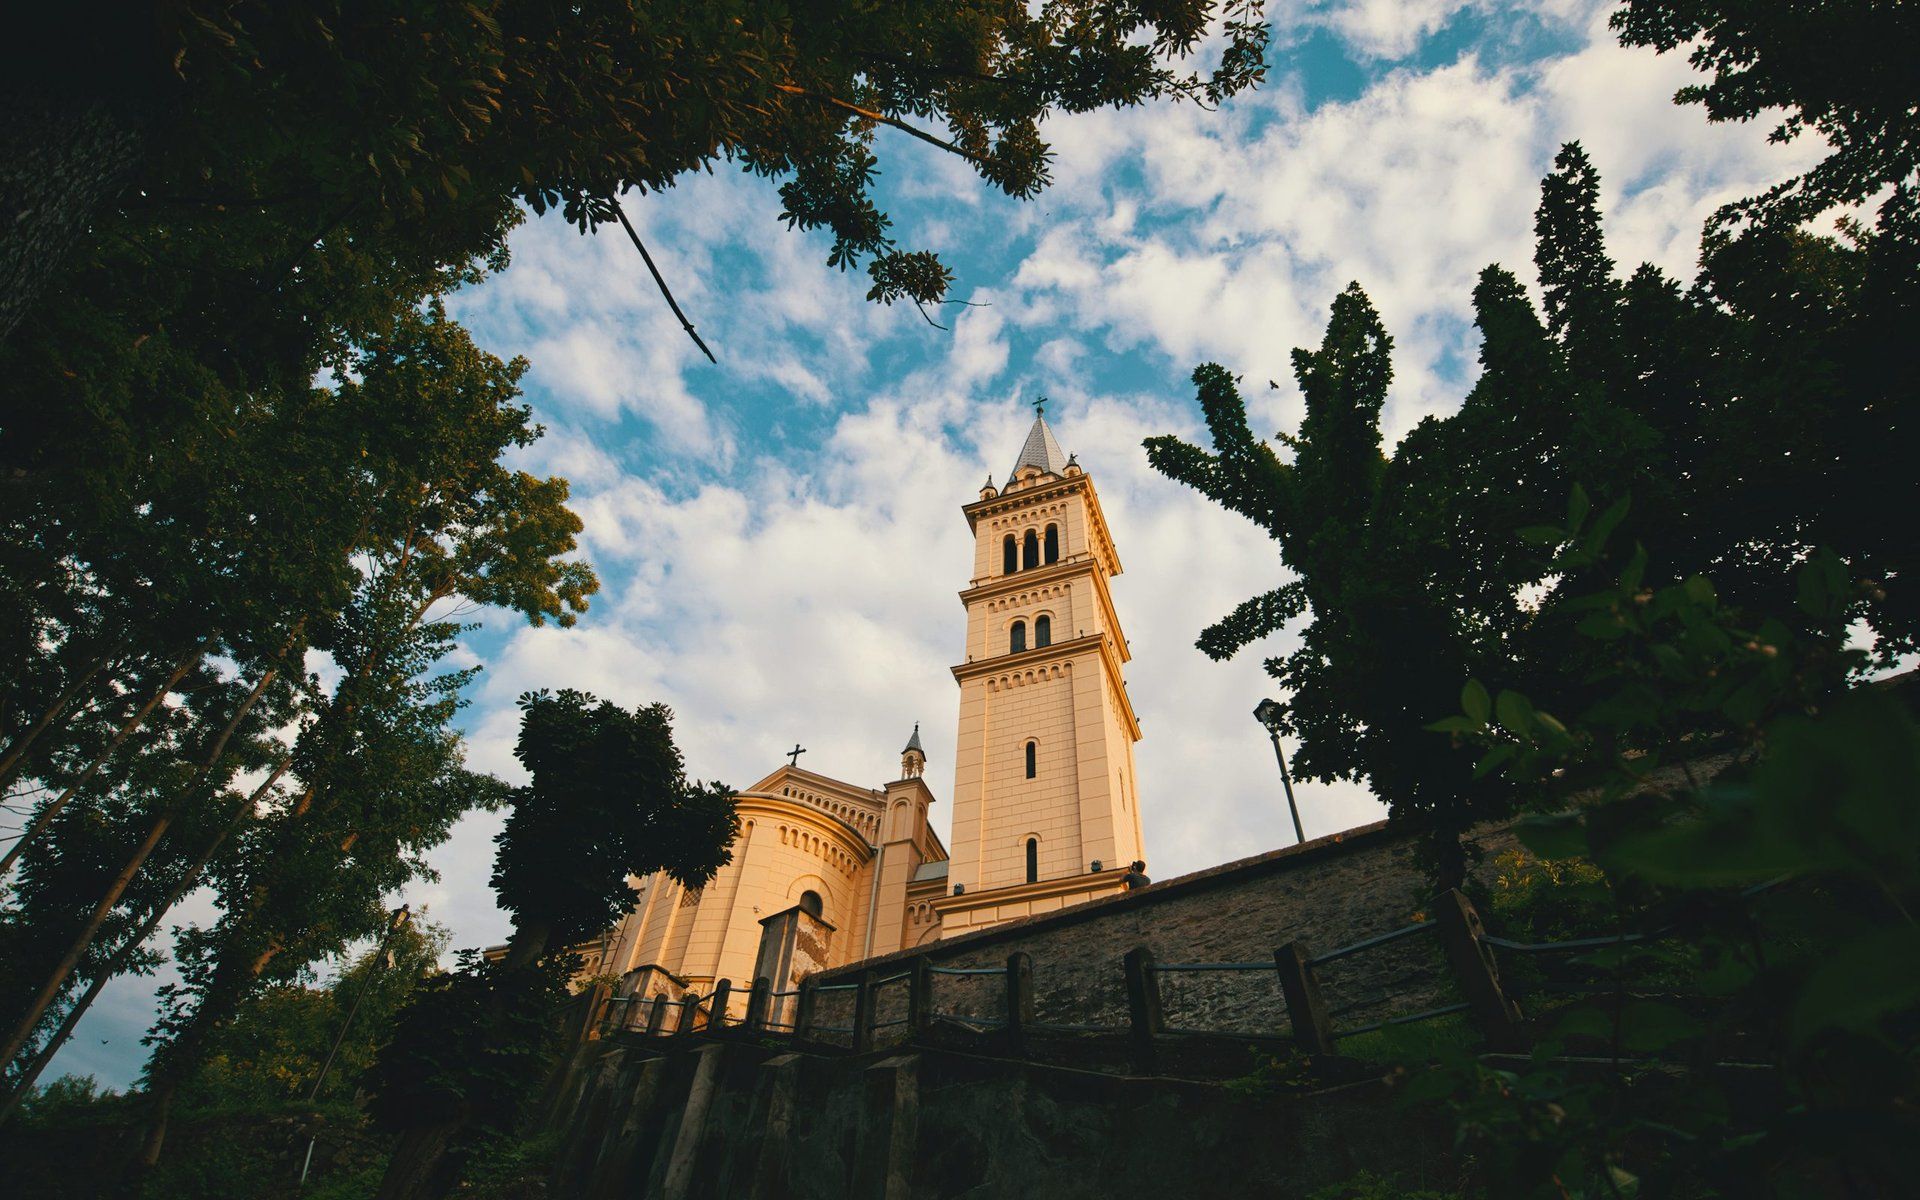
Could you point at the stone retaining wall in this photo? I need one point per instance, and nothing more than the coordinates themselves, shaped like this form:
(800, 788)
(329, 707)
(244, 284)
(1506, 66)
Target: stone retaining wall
(1327, 893)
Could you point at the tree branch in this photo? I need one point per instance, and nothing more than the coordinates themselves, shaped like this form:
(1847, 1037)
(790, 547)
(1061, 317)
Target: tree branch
(884, 119)
(671, 303)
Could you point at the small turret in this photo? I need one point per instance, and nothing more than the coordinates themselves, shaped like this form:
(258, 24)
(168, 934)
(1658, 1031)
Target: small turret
(913, 760)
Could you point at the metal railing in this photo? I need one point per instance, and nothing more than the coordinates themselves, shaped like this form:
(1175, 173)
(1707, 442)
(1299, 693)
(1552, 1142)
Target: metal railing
(1469, 951)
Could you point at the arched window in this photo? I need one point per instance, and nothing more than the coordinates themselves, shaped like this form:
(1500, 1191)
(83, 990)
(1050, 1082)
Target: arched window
(1030, 550)
(1017, 637)
(1053, 543)
(1009, 556)
(1033, 858)
(1033, 759)
(810, 904)
(1042, 631)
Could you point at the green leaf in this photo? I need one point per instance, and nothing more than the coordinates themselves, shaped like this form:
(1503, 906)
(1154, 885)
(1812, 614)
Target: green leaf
(1516, 714)
(1699, 589)
(1649, 1025)
(1494, 758)
(1860, 984)
(1542, 535)
(1822, 587)
(1578, 506)
(1474, 701)
(1608, 522)
(1553, 835)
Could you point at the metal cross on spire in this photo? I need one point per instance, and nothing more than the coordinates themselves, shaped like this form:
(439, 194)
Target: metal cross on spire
(793, 755)
(1040, 407)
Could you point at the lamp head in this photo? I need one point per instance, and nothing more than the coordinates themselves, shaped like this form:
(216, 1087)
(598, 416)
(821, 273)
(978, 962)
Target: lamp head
(1268, 713)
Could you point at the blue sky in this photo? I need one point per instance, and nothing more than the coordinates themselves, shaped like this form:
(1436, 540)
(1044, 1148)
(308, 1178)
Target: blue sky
(779, 536)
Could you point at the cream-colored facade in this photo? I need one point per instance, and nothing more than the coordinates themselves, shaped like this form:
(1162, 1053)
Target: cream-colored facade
(1045, 808)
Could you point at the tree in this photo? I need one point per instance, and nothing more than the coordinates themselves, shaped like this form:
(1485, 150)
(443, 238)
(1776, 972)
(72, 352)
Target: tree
(426, 127)
(379, 773)
(272, 1049)
(608, 799)
(1758, 877)
(1837, 70)
(1717, 425)
(399, 464)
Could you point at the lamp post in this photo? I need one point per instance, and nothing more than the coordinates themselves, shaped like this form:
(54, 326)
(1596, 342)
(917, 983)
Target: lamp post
(394, 922)
(1268, 712)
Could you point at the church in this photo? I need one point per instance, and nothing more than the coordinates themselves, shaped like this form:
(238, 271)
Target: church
(1045, 805)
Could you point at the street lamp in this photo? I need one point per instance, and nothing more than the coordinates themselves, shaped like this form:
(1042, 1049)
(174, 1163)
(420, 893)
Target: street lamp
(383, 957)
(1268, 713)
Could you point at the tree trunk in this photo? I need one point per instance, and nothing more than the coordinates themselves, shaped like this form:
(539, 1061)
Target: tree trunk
(10, 764)
(116, 965)
(46, 815)
(416, 1169)
(69, 961)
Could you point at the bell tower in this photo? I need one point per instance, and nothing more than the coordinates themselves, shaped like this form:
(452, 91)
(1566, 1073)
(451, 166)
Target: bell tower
(1045, 809)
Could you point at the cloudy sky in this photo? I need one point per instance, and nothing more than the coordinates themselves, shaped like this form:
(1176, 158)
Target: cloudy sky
(779, 536)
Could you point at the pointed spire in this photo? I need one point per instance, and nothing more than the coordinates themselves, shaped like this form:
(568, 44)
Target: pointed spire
(1040, 449)
(913, 760)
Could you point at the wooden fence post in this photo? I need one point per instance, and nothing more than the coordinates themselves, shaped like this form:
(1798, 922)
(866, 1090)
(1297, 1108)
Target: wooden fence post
(757, 1004)
(1019, 999)
(863, 1005)
(657, 1015)
(805, 1003)
(920, 996)
(1306, 1011)
(1463, 937)
(689, 1012)
(717, 1005)
(1143, 1005)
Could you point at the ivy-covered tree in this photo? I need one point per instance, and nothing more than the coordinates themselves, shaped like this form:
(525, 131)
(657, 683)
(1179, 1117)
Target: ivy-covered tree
(608, 799)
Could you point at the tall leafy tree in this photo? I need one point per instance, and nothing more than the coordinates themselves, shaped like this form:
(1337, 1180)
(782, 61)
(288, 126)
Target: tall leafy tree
(1711, 424)
(608, 799)
(377, 770)
(1837, 70)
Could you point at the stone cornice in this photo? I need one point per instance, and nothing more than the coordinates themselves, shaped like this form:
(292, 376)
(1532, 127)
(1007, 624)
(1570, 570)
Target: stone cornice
(1044, 889)
(1102, 537)
(1073, 648)
(1066, 569)
(846, 836)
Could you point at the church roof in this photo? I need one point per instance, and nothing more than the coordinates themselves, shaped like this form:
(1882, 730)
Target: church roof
(913, 743)
(1040, 450)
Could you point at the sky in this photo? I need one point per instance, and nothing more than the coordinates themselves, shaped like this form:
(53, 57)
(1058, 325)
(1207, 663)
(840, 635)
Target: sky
(779, 536)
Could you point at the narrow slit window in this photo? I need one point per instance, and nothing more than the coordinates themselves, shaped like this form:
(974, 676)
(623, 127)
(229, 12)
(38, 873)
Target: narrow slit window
(1017, 637)
(1033, 759)
(1033, 860)
(1042, 631)
(1009, 556)
(1030, 550)
(1053, 543)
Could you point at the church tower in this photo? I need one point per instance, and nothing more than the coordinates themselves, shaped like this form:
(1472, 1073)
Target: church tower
(1045, 812)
